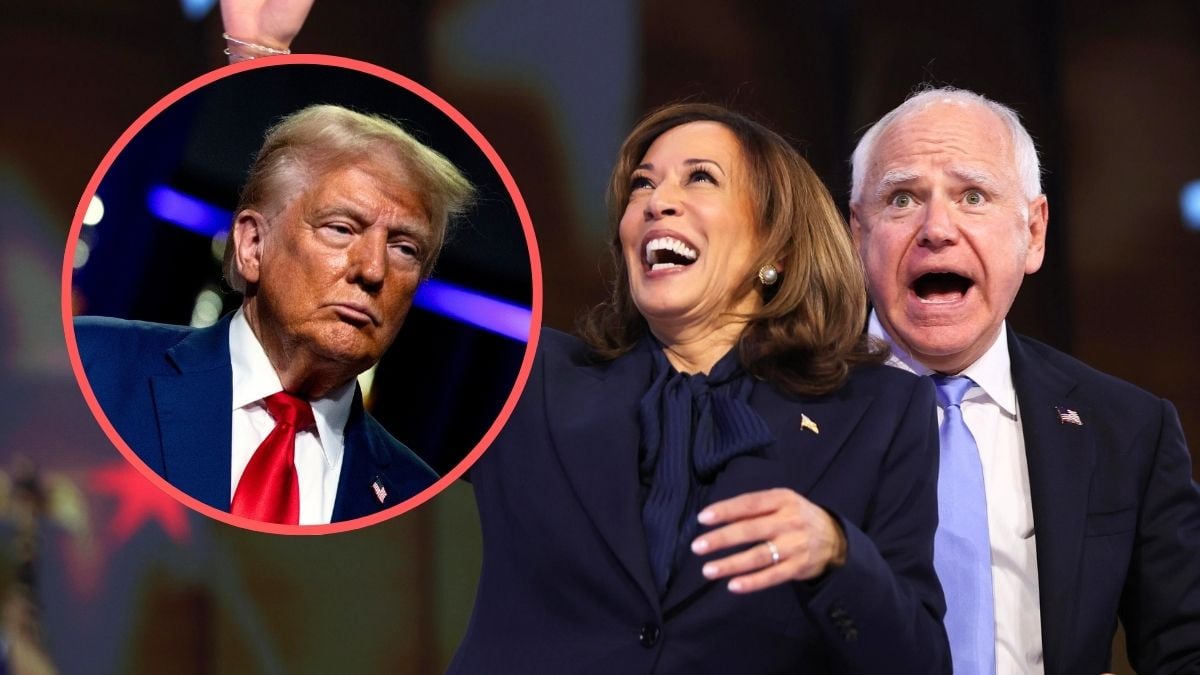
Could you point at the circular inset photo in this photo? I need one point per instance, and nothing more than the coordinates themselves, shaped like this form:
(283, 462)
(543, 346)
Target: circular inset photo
(301, 294)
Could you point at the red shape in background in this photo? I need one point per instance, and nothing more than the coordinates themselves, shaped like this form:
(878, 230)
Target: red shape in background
(138, 501)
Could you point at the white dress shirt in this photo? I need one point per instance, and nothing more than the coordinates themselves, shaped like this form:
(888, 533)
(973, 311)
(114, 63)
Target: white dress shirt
(991, 412)
(318, 455)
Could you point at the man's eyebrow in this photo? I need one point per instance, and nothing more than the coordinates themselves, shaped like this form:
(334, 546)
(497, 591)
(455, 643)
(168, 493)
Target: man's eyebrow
(891, 179)
(344, 210)
(976, 176)
(411, 228)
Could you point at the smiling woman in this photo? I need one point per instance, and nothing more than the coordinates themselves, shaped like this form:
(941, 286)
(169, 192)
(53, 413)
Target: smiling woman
(720, 477)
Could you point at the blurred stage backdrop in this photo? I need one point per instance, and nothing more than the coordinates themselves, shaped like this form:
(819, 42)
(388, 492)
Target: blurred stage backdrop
(102, 575)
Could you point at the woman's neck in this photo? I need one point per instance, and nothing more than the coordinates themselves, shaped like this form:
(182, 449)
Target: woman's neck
(697, 351)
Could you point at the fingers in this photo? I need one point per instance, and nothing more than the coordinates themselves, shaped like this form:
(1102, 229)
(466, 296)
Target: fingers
(805, 537)
(746, 505)
(272, 23)
(753, 517)
(755, 569)
(753, 560)
(740, 532)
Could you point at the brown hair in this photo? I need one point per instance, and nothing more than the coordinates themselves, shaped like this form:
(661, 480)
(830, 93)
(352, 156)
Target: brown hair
(809, 332)
(319, 138)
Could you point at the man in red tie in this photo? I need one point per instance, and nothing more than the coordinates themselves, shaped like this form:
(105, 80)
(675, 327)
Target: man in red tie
(341, 218)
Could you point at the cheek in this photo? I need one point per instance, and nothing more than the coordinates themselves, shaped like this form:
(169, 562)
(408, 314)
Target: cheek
(402, 287)
(880, 256)
(627, 230)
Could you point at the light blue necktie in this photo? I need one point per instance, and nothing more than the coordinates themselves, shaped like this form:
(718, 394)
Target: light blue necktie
(962, 553)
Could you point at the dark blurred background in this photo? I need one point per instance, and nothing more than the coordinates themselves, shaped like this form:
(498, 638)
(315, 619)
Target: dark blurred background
(125, 583)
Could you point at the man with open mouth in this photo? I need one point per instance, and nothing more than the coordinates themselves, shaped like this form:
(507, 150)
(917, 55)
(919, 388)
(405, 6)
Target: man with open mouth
(1082, 483)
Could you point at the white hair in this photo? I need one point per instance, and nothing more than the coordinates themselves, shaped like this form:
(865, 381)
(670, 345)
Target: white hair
(1025, 155)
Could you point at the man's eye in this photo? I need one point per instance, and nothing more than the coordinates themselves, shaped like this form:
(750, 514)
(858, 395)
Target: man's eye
(407, 249)
(973, 198)
(339, 229)
(902, 200)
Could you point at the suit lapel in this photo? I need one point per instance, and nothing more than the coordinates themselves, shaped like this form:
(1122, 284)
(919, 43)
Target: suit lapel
(797, 460)
(364, 476)
(193, 408)
(1061, 458)
(593, 422)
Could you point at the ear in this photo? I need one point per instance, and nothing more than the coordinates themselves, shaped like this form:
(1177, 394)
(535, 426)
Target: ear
(855, 227)
(249, 227)
(1039, 219)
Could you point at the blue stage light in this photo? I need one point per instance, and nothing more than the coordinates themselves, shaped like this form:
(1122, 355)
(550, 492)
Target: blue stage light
(448, 300)
(1189, 204)
(187, 212)
(477, 309)
(196, 10)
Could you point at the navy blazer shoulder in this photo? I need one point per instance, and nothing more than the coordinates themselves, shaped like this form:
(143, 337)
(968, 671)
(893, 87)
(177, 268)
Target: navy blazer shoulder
(1116, 512)
(168, 390)
(566, 584)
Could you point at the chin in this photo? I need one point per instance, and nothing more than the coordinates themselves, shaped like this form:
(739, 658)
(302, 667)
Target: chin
(661, 309)
(349, 347)
(933, 343)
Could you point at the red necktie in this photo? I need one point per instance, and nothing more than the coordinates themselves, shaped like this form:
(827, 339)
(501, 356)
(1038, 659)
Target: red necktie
(269, 490)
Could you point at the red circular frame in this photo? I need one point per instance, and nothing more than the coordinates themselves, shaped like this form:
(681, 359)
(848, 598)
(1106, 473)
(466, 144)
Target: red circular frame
(513, 193)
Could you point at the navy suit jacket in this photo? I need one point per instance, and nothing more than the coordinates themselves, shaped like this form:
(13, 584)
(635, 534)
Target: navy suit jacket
(168, 391)
(566, 585)
(1116, 514)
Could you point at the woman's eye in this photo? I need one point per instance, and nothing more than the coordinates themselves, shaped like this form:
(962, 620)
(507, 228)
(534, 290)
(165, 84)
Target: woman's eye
(902, 200)
(640, 183)
(702, 175)
(973, 198)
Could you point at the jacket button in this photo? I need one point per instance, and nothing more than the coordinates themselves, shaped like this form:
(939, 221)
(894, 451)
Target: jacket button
(649, 635)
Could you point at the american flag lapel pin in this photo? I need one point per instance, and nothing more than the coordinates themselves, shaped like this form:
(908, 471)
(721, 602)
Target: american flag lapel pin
(1068, 416)
(807, 423)
(380, 491)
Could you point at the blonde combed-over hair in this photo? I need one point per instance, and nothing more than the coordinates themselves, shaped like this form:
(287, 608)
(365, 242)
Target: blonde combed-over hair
(318, 139)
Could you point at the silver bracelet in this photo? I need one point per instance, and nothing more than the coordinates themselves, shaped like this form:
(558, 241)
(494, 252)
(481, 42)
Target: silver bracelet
(244, 50)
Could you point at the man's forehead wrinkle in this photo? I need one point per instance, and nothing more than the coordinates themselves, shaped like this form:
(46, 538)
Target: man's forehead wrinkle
(952, 143)
(979, 175)
(396, 217)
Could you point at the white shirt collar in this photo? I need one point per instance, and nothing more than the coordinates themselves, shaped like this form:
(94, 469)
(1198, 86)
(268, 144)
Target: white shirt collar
(254, 378)
(992, 372)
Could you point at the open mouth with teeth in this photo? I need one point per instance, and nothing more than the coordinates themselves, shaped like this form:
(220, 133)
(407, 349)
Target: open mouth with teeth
(941, 287)
(662, 253)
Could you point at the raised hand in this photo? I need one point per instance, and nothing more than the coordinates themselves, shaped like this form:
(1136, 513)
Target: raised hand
(270, 23)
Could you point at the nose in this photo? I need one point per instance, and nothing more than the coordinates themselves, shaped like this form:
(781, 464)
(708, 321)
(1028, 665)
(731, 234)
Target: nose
(664, 201)
(368, 258)
(938, 227)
